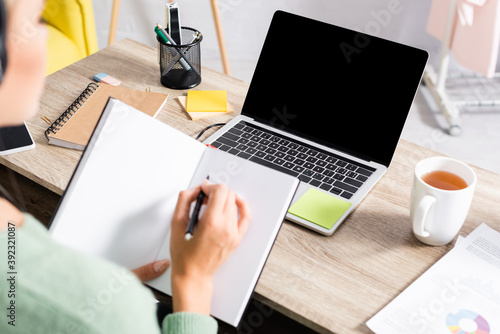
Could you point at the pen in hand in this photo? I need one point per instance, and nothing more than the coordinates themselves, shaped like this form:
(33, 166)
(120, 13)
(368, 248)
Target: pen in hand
(193, 221)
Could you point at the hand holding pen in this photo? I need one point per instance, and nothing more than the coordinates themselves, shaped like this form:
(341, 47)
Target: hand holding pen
(195, 216)
(218, 233)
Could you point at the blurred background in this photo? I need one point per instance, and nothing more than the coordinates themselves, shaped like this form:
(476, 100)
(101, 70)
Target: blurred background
(245, 24)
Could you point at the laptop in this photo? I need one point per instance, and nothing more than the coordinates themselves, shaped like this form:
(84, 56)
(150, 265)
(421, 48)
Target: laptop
(327, 105)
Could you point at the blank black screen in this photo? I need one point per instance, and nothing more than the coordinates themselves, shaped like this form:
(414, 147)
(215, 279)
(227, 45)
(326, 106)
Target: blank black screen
(13, 137)
(335, 86)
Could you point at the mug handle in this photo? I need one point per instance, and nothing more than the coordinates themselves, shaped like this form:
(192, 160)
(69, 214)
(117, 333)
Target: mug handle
(420, 215)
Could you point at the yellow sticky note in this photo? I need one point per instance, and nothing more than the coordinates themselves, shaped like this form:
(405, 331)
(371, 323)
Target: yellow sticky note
(207, 100)
(202, 114)
(319, 208)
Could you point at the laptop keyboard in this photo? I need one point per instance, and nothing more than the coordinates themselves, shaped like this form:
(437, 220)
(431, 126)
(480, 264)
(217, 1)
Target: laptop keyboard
(318, 168)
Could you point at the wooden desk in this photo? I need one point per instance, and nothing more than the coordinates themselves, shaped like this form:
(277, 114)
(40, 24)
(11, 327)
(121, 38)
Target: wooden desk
(331, 284)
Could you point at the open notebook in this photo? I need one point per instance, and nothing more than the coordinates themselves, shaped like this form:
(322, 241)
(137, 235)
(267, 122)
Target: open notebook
(121, 197)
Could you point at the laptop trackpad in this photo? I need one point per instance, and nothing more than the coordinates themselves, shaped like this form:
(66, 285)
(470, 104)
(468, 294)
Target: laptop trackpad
(319, 208)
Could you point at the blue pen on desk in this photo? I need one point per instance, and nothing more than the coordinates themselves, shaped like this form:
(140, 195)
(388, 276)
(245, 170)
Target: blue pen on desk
(193, 221)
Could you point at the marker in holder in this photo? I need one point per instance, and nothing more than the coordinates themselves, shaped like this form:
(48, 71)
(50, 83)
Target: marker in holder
(180, 65)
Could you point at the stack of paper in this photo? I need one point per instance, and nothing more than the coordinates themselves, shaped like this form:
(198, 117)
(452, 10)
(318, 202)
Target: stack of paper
(205, 103)
(459, 294)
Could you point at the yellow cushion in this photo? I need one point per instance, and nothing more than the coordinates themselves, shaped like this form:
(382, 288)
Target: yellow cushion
(73, 19)
(62, 51)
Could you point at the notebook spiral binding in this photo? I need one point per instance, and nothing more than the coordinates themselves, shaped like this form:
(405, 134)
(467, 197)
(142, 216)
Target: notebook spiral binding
(72, 109)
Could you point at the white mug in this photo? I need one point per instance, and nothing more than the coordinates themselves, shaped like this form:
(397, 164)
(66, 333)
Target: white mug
(436, 214)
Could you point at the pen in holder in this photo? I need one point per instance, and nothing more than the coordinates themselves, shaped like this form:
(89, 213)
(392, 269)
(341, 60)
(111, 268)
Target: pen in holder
(180, 65)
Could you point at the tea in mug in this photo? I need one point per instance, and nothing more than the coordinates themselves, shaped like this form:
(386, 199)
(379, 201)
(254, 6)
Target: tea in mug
(444, 180)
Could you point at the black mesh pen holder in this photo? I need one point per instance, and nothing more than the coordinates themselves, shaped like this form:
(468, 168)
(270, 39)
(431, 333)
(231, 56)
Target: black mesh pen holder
(180, 65)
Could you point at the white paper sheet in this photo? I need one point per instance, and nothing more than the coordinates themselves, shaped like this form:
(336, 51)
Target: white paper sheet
(460, 294)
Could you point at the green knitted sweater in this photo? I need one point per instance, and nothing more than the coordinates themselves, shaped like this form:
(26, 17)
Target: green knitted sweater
(48, 288)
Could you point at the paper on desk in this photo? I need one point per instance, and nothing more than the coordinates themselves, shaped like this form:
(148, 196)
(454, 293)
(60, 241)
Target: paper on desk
(459, 294)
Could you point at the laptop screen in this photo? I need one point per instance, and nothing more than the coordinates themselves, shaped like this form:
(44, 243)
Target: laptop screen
(334, 86)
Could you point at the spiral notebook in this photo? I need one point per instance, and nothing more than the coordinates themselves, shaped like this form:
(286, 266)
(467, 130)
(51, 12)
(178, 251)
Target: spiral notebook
(74, 127)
